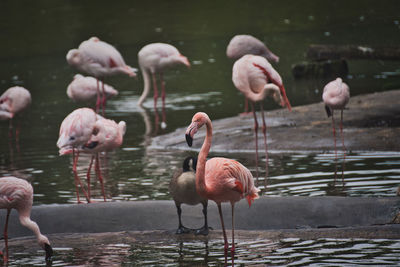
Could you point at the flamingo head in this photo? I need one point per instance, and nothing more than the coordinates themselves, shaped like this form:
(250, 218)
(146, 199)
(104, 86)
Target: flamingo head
(198, 120)
(73, 57)
(45, 244)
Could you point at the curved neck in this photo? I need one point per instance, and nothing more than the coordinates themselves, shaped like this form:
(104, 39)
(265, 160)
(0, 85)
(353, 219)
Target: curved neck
(146, 89)
(201, 161)
(31, 225)
(269, 89)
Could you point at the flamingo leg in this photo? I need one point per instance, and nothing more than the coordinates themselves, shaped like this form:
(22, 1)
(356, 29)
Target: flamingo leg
(264, 130)
(104, 98)
(98, 172)
(256, 136)
(233, 235)
(246, 107)
(164, 115)
(203, 230)
(88, 176)
(334, 141)
(98, 96)
(157, 119)
(77, 179)
(344, 147)
(17, 132)
(5, 257)
(223, 231)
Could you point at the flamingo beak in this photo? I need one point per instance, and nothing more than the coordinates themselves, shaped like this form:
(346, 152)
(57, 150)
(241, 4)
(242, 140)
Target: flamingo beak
(185, 61)
(49, 252)
(91, 145)
(191, 130)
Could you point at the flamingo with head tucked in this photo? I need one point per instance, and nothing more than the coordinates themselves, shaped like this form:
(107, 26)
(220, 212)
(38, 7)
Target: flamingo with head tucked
(84, 89)
(244, 44)
(99, 59)
(220, 179)
(154, 59)
(336, 95)
(16, 193)
(183, 190)
(257, 79)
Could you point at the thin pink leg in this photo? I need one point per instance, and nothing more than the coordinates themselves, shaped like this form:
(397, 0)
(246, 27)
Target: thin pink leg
(98, 172)
(343, 146)
(98, 96)
(88, 176)
(256, 136)
(334, 141)
(5, 257)
(104, 99)
(77, 179)
(157, 119)
(164, 115)
(264, 130)
(226, 247)
(233, 236)
(246, 107)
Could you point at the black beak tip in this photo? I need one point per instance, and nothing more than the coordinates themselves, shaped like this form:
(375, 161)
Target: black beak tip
(189, 140)
(49, 252)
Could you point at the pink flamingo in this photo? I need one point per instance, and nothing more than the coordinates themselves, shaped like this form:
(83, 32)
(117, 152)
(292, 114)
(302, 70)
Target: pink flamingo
(154, 59)
(16, 193)
(336, 95)
(257, 79)
(75, 130)
(106, 136)
(12, 101)
(84, 89)
(183, 190)
(220, 179)
(245, 44)
(99, 59)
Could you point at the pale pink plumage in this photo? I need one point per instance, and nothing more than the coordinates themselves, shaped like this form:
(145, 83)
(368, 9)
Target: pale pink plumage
(14, 100)
(256, 79)
(244, 44)
(154, 59)
(220, 179)
(336, 95)
(17, 194)
(85, 89)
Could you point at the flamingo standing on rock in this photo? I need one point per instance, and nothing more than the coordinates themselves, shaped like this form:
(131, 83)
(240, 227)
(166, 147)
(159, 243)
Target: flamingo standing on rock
(84, 89)
(99, 59)
(220, 179)
(16, 193)
(154, 59)
(245, 44)
(183, 190)
(256, 79)
(336, 95)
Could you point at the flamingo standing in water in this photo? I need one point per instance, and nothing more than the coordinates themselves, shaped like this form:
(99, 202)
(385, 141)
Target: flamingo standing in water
(257, 79)
(16, 193)
(245, 44)
(75, 130)
(220, 179)
(336, 95)
(12, 101)
(99, 59)
(84, 89)
(183, 190)
(154, 59)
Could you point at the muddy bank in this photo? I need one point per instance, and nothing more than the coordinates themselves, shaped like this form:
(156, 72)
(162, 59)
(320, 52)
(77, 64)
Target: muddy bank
(266, 214)
(371, 123)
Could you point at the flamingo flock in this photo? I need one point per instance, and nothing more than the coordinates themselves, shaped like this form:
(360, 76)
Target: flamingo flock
(84, 130)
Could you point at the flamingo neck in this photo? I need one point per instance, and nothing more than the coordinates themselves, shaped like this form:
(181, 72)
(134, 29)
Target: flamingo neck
(269, 89)
(31, 225)
(146, 89)
(201, 162)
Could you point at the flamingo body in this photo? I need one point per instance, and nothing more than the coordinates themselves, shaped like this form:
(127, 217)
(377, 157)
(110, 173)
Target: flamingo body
(99, 59)
(17, 194)
(241, 45)
(85, 89)
(336, 94)
(14, 100)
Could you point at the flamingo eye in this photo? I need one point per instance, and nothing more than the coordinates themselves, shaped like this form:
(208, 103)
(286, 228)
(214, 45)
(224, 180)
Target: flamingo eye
(95, 131)
(72, 138)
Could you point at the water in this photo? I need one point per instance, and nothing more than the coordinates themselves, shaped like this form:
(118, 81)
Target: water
(256, 252)
(37, 35)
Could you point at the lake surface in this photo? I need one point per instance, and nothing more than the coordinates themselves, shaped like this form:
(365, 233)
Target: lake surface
(37, 35)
